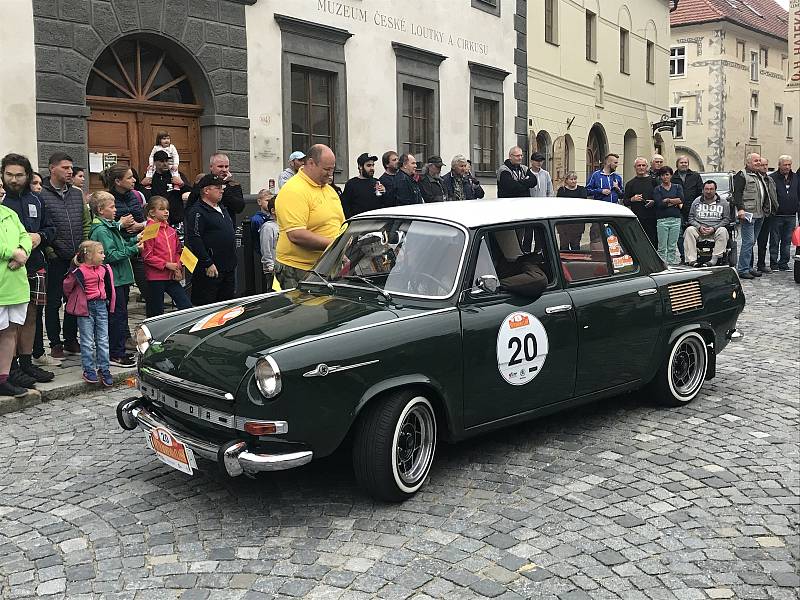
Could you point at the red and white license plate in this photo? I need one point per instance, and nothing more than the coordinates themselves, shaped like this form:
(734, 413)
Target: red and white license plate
(171, 451)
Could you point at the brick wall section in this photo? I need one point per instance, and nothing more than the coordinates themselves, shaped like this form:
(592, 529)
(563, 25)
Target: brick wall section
(208, 35)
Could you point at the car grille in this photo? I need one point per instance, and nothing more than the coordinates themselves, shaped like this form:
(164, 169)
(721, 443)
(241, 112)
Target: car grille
(685, 297)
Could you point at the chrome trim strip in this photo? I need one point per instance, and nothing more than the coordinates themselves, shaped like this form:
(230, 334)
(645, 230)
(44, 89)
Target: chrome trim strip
(323, 370)
(186, 385)
(323, 336)
(250, 462)
(647, 292)
(158, 397)
(551, 310)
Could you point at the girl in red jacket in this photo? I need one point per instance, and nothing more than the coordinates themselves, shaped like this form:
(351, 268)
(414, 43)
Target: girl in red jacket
(162, 261)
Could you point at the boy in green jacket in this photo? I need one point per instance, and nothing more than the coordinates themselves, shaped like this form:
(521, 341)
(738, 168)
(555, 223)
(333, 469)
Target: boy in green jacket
(119, 251)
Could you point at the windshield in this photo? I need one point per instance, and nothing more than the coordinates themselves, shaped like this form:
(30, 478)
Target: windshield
(400, 256)
(723, 180)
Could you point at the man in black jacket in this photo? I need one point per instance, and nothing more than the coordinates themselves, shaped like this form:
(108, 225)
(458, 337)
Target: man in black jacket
(17, 174)
(515, 180)
(406, 185)
(219, 166)
(692, 185)
(430, 184)
(211, 238)
(364, 192)
(160, 184)
(66, 207)
(787, 189)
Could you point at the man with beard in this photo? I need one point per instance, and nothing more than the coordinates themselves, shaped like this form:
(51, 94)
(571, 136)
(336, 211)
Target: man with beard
(515, 180)
(431, 182)
(364, 192)
(606, 184)
(638, 197)
(17, 174)
(391, 164)
(708, 219)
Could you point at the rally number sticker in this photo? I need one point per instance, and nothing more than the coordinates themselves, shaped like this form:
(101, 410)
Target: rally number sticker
(521, 348)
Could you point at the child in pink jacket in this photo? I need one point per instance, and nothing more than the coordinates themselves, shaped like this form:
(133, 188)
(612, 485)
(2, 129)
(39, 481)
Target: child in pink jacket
(162, 261)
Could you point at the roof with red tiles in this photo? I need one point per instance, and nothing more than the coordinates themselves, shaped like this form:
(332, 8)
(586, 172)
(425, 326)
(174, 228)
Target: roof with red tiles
(765, 16)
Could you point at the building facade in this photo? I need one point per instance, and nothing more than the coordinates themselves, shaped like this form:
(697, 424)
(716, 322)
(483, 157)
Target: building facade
(257, 79)
(729, 67)
(597, 82)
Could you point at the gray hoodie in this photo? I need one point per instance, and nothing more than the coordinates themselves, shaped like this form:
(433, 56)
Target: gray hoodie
(711, 214)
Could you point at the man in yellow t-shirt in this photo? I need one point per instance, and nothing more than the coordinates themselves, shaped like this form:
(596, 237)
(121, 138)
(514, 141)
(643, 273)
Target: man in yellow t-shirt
(309, 215)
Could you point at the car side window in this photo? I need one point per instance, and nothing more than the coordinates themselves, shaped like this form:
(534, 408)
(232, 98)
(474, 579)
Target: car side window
(592, 250)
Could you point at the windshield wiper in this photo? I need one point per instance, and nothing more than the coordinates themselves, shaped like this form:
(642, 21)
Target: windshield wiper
(325, 282)
(377, 288)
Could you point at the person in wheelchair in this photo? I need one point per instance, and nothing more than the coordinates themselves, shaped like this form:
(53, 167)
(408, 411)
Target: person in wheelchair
(709, 218)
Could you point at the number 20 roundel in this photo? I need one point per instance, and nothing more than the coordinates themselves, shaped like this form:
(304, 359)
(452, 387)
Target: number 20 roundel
(521, 348)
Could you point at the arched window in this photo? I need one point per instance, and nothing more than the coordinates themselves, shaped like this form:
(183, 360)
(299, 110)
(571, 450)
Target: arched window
(544, 145)
(596, 149)
(135, 70)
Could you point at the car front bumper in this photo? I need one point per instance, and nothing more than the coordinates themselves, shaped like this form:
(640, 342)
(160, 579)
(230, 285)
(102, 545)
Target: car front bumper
(234, 456)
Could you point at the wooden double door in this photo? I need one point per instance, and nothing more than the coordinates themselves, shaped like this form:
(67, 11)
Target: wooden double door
(129, 131)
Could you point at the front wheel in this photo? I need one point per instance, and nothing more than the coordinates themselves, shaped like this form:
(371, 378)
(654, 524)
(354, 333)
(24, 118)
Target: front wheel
(394, 446)
(682, 375)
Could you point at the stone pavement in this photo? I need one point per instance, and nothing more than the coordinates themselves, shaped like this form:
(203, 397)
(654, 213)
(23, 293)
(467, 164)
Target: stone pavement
(69, 380)
(616, 500)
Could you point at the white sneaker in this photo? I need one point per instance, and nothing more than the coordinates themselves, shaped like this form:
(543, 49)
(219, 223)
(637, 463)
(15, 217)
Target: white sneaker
(45, 360)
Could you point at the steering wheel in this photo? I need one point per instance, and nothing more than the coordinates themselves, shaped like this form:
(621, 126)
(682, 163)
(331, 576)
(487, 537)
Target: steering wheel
(437, 282)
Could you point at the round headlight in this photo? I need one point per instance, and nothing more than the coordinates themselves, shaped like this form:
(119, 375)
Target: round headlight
(142, 338)
(268, 377)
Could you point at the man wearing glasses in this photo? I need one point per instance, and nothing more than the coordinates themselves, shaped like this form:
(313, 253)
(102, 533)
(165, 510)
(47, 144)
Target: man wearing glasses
(515, 180)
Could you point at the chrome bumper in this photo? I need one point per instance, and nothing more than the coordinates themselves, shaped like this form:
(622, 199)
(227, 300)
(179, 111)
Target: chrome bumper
(234, 456)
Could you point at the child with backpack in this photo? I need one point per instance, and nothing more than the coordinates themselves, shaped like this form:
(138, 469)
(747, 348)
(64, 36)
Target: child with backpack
(89, 288)
(162, 260)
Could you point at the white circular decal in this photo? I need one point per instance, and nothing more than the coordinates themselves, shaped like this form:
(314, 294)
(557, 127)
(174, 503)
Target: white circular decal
(521, 348)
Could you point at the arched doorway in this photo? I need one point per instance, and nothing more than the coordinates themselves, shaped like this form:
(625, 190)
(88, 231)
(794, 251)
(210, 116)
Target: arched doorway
(563, 159)
(630, 151)
(544, 145)
(134, 91)
(596, 149)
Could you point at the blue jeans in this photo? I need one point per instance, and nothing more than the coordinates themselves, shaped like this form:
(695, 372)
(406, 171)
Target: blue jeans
(118, 322)
(155, 296)
(94, 337)
(669, 228)
(749, 233)
(780, 238)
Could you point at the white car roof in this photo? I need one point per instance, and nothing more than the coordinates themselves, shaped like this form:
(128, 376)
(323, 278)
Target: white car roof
(477, 213)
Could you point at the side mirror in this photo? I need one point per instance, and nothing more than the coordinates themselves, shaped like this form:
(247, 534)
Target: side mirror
(488, 283)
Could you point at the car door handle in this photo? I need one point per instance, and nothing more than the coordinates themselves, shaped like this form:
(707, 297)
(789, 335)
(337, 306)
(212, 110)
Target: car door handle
(551, 310)
(647, 292)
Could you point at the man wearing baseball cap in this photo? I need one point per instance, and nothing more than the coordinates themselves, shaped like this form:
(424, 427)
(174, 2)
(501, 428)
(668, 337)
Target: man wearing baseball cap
(211, 238)
(544, 187)
(296, 160)
(364, 192)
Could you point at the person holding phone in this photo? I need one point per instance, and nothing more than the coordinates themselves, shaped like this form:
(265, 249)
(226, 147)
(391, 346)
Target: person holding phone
(639, 198)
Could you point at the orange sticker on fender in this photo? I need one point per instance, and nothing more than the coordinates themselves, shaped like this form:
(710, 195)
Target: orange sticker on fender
(218, 318)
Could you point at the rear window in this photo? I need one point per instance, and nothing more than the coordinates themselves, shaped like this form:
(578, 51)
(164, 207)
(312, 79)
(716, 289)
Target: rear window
(592, 250)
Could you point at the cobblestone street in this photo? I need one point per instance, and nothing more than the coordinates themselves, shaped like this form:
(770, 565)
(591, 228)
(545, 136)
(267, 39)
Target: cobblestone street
(620, 499)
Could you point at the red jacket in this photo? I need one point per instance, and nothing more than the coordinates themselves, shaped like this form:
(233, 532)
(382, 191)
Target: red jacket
(160, 250)
(75, 291)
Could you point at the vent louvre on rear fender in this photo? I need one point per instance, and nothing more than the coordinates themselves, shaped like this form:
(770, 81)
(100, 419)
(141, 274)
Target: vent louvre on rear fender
(684, 297)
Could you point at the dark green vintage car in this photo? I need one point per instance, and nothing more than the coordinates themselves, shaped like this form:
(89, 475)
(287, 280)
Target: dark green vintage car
(429, 322)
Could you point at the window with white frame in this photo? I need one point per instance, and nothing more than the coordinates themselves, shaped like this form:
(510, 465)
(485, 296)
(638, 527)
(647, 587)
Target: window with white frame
(551, 21)
(789, 128)
(650, 66)
(753, 65)
(741, 50)
(676, 112)
(591, 36)
(778, 114)
(624, 51)
(677, 61)
(763, 56)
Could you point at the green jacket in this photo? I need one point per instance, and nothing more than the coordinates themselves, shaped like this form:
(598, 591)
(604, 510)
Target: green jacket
(14, 288)
(118, 249)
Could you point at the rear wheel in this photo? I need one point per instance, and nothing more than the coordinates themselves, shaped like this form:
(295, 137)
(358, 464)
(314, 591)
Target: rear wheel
(682, 375)
(394, 446)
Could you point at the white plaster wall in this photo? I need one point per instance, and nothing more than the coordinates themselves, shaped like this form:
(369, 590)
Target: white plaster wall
(561, 82)
(18, 98)
(371, 74)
